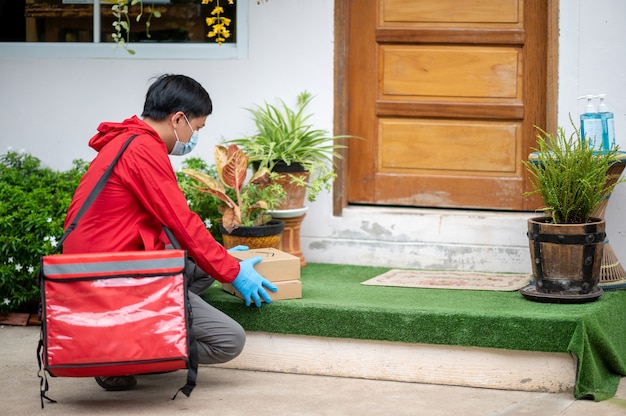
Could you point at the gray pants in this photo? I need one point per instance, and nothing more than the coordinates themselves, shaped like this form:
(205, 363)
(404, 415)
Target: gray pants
(219, 337)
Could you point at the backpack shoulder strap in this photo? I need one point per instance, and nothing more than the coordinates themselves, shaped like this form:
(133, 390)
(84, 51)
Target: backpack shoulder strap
(94, 192)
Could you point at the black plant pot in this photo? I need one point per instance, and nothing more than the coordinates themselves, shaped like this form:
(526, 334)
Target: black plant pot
(258, 236)
(282, 167)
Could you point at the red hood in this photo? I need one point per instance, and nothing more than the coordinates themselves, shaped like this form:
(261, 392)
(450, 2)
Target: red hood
(108, 131)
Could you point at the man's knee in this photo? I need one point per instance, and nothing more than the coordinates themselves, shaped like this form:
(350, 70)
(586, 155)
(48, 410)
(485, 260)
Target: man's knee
(239, 340)
(222, 347)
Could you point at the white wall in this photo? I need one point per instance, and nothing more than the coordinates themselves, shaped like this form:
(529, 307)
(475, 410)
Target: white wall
(51, 107)
(592, 59)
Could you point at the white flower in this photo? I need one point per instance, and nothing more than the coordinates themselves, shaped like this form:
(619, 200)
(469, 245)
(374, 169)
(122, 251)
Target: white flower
(188, 202)
(53, 241)
(49, 220)
(6, 301)
(18, 267)
(207, 223)
(46, 238)
(31, 269)
(10, 260)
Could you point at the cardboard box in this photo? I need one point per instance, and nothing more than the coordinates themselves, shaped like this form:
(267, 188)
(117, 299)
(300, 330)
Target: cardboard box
(288, 289)
(276, 266)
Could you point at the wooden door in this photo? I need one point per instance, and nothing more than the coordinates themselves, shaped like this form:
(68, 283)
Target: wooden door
(446, 94)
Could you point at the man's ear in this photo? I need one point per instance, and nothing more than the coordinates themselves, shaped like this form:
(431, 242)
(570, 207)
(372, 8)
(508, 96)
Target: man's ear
(176, 118)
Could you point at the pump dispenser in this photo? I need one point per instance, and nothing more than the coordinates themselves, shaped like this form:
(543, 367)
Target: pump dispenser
(608, 124)
(591, 125)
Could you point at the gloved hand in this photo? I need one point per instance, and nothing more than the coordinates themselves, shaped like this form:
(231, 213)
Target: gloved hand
(250, 284)
(238, 248)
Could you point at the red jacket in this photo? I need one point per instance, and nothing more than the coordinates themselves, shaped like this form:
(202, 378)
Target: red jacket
(141, 195)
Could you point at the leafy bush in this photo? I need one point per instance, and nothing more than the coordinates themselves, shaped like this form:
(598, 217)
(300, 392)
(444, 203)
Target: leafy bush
(35, 200)
(206, 206)
(34, 204)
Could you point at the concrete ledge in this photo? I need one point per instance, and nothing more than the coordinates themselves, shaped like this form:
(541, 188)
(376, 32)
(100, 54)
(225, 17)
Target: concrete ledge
(419, 238)
(418, 363)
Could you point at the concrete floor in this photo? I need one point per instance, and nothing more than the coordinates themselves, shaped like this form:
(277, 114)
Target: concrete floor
(227, 392)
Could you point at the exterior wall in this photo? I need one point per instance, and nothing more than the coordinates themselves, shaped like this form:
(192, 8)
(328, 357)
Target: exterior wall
(591, 56)
(51, 107)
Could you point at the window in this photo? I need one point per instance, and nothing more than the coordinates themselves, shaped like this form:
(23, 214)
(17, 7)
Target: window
(84, 28)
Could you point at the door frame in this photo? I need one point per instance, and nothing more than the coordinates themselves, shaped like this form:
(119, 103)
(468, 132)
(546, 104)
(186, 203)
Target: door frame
(341, 82)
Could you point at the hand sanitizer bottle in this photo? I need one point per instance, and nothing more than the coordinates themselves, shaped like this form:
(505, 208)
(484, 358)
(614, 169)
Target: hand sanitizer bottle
(591, 125)
(608, 124)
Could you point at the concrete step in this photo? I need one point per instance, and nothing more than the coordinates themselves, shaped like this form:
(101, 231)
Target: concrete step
(417, 363)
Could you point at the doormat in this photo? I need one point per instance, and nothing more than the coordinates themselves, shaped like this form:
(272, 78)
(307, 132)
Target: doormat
(427, 279)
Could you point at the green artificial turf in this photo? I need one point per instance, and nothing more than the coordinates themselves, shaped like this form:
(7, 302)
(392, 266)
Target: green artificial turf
(335, 304)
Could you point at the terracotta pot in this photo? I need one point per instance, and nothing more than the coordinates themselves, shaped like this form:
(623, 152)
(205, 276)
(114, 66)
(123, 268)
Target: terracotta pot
(566, 258)
(295, 193)
(260, 236)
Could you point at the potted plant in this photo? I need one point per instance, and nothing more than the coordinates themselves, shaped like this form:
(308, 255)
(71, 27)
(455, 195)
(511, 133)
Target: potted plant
(285, 142)
(566, 245)
(244, 205)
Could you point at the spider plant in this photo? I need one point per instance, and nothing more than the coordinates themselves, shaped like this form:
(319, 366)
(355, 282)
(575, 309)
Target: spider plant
(285, 136)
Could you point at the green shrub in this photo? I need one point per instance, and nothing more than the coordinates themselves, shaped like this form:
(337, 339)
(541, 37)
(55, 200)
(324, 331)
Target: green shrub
(34, 203)
(206, 206)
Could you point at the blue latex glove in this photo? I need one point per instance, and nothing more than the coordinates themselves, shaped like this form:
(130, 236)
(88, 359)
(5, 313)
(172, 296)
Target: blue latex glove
(238, 248)
(250, 284)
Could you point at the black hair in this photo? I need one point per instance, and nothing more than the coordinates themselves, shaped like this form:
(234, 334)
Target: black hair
(172, 93)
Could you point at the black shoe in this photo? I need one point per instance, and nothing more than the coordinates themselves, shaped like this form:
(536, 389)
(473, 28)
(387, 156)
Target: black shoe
(117, 383)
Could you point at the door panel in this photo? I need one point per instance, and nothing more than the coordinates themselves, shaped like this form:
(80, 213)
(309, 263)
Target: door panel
(462, 72)
(446, 94)
(448, 11)
(400, 140)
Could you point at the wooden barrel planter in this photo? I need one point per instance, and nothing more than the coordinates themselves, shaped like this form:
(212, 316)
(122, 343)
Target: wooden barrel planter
(566, 260)
(260, 236)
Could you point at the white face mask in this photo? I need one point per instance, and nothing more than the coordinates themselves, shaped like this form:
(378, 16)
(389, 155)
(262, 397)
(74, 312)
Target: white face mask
(181, 148)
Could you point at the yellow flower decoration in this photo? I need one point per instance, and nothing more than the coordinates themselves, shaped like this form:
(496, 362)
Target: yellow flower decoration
(217, 23)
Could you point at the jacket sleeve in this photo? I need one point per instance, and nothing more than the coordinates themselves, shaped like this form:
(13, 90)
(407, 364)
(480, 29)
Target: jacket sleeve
(147, 170)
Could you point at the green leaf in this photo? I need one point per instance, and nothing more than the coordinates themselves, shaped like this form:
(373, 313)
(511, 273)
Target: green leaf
(569, 176)
(34, 203)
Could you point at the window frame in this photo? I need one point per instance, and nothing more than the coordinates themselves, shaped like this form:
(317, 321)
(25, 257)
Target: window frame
(162, 51)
